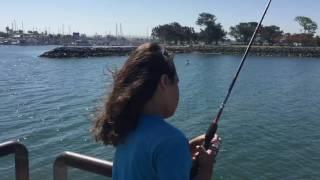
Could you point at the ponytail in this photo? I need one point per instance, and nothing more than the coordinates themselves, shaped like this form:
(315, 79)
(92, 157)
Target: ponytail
(134, 85)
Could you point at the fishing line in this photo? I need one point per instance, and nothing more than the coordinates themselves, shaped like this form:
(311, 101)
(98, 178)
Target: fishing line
(214, 125)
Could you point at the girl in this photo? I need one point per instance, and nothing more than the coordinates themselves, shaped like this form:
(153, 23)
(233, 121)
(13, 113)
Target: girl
(145, 92)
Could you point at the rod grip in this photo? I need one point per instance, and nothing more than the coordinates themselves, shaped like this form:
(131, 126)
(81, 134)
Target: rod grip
(207, 141)
(210, 134)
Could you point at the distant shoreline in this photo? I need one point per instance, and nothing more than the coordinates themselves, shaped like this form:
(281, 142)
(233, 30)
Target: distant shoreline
(284, 51)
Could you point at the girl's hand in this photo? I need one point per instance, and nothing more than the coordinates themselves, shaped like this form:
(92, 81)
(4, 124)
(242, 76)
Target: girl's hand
(206, 158)
(197, 141)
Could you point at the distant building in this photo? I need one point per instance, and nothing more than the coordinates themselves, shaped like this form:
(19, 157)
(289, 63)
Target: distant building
(76, 35)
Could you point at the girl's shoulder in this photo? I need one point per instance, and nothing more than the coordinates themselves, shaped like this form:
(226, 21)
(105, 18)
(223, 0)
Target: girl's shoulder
(156, 125)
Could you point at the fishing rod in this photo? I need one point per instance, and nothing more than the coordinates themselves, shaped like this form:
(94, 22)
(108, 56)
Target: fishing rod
(214, 125)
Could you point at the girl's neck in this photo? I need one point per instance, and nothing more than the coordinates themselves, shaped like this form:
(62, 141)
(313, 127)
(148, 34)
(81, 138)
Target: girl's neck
(153, 108)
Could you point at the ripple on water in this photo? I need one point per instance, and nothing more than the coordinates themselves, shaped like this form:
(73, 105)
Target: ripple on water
(269, 126)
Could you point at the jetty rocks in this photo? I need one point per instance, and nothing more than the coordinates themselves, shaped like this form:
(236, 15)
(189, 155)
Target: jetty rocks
(81, 52)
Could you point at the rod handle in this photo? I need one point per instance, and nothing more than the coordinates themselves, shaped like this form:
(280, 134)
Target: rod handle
(208, 137)
(210, 134)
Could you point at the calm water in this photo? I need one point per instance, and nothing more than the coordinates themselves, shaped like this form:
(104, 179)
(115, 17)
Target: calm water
(270, 127)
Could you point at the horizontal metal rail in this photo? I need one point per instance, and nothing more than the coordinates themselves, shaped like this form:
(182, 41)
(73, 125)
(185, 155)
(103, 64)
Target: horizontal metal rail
(21, 158)
(82, 162)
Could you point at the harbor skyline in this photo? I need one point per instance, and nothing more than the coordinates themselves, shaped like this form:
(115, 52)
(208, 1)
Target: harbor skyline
(138, 19)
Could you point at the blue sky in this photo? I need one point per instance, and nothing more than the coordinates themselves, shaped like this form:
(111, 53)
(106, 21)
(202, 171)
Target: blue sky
(137, 17)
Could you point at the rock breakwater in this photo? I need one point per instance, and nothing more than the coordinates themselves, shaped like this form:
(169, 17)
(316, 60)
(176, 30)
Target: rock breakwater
(69, 52)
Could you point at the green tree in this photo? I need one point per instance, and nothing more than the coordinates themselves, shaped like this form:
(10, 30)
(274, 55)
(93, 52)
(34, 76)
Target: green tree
(210, 31)
(188, 34)
(271, 34)
(206, 19)
(166, 32)
(7, 30)
(243, 31)
(308, 25)
(173, 32)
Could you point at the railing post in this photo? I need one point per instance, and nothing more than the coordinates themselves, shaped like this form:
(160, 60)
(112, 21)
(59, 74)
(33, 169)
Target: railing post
(21, 158)
(60, 171)
(86, 163)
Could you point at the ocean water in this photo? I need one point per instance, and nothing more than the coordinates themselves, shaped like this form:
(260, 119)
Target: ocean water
(270, 127)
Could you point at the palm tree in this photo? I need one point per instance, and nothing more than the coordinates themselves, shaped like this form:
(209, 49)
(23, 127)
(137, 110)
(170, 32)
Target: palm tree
(7, 29)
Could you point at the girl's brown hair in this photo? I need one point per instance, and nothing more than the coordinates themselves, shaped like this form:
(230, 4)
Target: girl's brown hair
(134, 85)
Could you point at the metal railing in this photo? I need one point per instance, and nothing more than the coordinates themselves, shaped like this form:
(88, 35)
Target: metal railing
(61, 164)
(86, 163)
(21, 158)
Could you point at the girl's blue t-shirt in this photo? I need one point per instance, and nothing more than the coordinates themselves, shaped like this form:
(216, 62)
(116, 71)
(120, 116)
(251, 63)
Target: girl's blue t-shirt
(154, 151)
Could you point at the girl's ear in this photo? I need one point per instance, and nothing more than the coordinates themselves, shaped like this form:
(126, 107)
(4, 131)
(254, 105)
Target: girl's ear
(164, 81)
